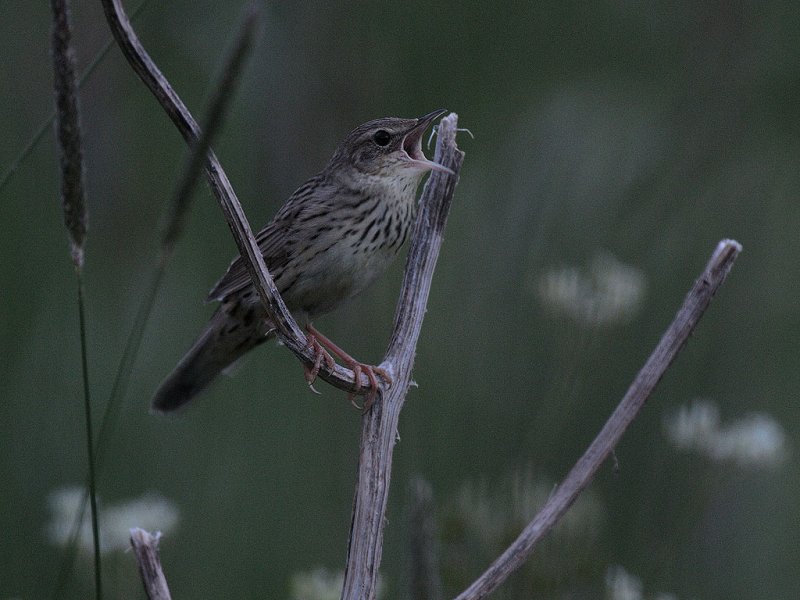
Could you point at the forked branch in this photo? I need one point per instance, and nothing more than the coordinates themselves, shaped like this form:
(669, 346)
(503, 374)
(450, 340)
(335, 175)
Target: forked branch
(380, 424)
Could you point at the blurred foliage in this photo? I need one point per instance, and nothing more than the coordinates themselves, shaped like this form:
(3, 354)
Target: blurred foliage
(642, 132)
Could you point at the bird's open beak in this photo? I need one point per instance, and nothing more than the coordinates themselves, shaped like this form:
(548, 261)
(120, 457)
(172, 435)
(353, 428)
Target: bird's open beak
(412, 144)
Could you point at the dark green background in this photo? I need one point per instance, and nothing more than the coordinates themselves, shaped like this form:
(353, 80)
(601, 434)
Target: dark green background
(647, 130)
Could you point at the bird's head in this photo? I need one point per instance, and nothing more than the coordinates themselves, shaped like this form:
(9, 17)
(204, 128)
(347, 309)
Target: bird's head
(388, 147)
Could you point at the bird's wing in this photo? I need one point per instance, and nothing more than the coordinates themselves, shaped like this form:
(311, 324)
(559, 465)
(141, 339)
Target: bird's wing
(276, 240)
(271, 242)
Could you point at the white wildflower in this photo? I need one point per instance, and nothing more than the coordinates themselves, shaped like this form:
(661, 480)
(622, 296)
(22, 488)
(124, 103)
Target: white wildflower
(608, 292)
(150, 512)
(754, 440)
(621, 585)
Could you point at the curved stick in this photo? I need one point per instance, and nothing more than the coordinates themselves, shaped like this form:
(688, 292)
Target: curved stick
(286, 327)
(671, 343)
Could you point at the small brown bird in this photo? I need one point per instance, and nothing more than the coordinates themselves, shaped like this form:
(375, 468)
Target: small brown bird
(331, 239)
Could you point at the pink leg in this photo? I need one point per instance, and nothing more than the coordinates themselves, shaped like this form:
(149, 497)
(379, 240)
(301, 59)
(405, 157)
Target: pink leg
(357, 367)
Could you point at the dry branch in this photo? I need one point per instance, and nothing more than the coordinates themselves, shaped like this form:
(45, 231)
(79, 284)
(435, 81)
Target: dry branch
(286, 327)
(145, 546)
(671, 343)
(379, 429)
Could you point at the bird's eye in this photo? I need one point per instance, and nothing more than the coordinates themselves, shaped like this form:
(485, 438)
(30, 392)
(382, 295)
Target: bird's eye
(381, 137)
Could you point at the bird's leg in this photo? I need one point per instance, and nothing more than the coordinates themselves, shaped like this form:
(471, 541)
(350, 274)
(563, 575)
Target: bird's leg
(356, 366)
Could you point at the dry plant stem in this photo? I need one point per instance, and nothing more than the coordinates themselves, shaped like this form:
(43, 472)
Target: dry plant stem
(145, 546)
(673, 340)
(286, 327)
(380, 425)
(379, 429)
(181, 201)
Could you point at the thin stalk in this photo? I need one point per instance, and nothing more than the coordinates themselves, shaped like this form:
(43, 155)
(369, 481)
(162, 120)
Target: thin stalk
(111, 416)
(73, 201)
(87, 404)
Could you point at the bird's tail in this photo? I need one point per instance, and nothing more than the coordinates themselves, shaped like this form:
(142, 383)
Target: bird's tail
(224, 340)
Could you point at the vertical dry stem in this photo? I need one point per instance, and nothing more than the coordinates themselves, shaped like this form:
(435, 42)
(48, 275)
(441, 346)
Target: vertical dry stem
(145, 546)
(379, 429)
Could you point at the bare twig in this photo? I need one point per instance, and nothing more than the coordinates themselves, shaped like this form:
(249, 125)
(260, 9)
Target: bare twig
(145, 546)
(380, 424)
(673, 340)
(379, 429)
(223, 90)
(286, 327)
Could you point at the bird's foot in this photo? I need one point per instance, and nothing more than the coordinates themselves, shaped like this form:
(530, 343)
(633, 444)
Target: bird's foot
(320, 354)
(370, 371)
(357, 367)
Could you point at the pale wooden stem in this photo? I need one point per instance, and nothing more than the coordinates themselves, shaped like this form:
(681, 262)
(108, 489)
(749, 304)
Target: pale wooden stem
(379, 429)
(145, 547)
(673, 340)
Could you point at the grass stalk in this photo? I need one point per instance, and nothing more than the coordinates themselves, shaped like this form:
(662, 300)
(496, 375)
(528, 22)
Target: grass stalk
(73, 201)
(174, 225)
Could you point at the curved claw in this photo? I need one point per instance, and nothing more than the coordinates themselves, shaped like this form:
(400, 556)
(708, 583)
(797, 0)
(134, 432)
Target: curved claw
(320, 355)
(352, 399)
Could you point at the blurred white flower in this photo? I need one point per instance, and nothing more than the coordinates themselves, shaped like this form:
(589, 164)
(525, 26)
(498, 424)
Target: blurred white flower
(621, 585)
(608, 292)
(754, 440)
(150, 512)
(321, 584)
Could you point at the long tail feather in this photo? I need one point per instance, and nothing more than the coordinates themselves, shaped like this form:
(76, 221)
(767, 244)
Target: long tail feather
(223, 341)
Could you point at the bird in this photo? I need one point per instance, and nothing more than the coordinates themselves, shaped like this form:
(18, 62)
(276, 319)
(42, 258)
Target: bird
(333, 237)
